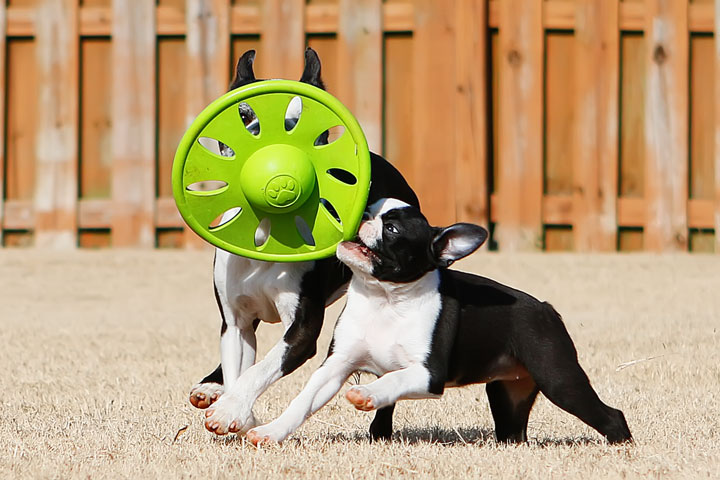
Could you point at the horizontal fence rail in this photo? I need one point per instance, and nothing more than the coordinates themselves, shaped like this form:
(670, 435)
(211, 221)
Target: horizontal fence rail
(562, 124)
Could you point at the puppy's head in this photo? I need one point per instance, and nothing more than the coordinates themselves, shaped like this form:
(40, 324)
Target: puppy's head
(396, 243)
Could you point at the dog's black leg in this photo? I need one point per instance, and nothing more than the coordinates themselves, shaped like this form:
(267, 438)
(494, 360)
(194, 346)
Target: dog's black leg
(510, 404)
(301, 337)
(569, 388)
(215, 377)
(551, 358)
(381, 426)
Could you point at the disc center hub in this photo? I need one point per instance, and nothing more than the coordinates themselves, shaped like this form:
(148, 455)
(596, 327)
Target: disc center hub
(278, 178)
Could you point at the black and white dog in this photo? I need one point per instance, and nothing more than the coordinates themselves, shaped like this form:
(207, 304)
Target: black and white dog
(296, 294)
(421, 328)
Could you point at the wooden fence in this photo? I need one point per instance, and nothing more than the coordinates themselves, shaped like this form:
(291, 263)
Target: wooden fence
(589, 125)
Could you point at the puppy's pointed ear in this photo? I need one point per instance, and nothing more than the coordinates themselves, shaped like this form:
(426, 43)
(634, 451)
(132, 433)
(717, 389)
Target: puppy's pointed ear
(244, 73)
(312, 72)
(457, 241)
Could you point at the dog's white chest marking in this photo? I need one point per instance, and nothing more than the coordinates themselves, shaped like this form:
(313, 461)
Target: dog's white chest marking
(254, 289)
(388, 327)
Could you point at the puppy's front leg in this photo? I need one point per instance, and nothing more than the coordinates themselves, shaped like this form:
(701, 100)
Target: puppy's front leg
(321, 387)
(410, 382)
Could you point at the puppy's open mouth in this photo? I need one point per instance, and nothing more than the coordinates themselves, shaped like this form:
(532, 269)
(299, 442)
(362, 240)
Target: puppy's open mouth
(360, 248)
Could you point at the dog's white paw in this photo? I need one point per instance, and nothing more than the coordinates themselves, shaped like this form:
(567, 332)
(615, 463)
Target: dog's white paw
(228, 415)
(360, 397)
(203, 395)
(267, 434)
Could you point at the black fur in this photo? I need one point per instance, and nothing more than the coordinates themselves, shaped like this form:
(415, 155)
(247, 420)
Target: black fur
(312, 73)
(244, 73)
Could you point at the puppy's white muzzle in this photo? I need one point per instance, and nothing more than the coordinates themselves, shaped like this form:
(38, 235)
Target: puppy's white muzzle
(356, 256)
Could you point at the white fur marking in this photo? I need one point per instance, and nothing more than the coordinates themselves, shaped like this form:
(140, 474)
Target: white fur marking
(371, 230)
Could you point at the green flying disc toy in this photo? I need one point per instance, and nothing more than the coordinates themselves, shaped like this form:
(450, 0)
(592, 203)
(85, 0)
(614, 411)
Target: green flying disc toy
(256, 175)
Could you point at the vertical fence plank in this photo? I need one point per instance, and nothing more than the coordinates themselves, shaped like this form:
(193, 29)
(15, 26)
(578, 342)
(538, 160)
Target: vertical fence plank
(171, 124)
(360, 61)
(22, 105)
(702, 114)
(95, 118)
(559, 114)
(171, 117)
(632, 116)
(398, 104)
(495, 113)
(596, 127)
(558, 144)
(207, 66)
(666, 127)
(3, 59)
(56, 138)
(282, 39)
(471, 181)
(717, 127)
(133, 138)
(520, 146)
(434, 123)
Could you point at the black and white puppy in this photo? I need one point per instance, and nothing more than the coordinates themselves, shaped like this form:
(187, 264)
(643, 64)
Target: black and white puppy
(296, 294)
(421, 328)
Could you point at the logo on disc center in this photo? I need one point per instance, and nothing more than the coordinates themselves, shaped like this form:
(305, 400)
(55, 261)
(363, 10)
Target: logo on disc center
(282, 191)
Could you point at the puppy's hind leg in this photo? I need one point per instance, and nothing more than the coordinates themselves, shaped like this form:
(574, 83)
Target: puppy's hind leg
(381, 426)
(550, 356)
(510, 404)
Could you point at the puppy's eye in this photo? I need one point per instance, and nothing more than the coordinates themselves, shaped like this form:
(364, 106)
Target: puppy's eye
(390, 228)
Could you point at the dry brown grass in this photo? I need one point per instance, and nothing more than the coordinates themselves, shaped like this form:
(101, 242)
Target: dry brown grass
(99, 350)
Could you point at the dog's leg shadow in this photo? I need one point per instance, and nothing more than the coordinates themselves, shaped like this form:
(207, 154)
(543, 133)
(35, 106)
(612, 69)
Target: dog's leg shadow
(445, 436)
(411, 435)
(462, 436)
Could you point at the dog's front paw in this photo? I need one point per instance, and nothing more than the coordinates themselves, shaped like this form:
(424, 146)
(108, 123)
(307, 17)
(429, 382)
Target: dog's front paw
(266, 435)
(360, 397)
(225, 417)
(203, 395)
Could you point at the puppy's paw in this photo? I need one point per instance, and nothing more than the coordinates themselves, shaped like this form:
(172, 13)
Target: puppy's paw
(266, 435)
(360, 397)
(203, 395)
(226, 417)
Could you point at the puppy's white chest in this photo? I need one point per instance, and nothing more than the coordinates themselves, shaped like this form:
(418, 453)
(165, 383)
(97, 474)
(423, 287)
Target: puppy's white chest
(383, 333)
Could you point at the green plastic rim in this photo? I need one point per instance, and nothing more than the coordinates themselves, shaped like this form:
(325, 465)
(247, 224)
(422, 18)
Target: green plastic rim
(310, 197)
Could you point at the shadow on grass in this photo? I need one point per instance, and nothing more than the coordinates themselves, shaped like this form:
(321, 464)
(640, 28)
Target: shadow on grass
(444, 436)
(439, 436)
(460, 436)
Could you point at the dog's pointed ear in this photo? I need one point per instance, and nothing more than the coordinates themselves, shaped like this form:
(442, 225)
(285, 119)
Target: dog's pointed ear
(457, 241)
(313, 70)
(244, 73)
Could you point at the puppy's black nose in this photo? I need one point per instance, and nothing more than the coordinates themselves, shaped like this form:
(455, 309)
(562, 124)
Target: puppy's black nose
(366, 216)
